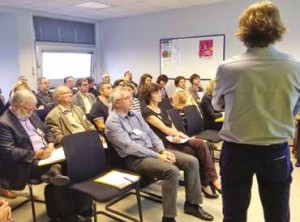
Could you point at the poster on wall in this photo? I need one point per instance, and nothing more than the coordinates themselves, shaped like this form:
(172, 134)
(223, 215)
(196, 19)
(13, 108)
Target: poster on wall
(187, 55)
(206, 48)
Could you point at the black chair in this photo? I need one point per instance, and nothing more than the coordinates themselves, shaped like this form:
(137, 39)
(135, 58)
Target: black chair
(31, 198)
(85, 161)
(195, 127)
(116, 162)
(177, 119)
(165, 104)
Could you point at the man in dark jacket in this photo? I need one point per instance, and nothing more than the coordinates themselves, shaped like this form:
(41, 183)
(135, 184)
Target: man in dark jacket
(24, 140)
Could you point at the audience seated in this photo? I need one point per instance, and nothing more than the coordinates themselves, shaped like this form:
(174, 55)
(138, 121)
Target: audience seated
(133, 90)
(145, 153)
(69, 82)
(83, 98)
(24, 140)
(91, 82)
(2, 107)
(2, 98)
(118, 83)
(44, 96)
(162, 81)
(182, 97)
(161, 124)
(207, 110)
(195, 89)
(5, 211)
(128, 78)
(106, 78)
(66, 118)
(102, 107)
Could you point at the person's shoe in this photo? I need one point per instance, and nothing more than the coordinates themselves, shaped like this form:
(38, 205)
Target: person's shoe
(212, 195)
(197, 211)
(7, 193)
(55, 177)
(214, 188)
(168, 219)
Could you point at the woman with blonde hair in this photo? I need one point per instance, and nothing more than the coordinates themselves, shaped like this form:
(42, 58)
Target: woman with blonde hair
(207, 110)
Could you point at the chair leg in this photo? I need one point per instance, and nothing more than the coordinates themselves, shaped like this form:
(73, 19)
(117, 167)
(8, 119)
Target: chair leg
(30, 199)
(95, 211)
(138, 199)
(32, 202)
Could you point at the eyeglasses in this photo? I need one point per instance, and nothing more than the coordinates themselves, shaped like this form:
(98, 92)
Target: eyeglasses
(125, 98)
(29, 109)
(64, 93)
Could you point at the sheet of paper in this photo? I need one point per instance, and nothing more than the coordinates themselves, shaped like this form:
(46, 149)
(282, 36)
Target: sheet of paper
(117, 179)
(58, 155)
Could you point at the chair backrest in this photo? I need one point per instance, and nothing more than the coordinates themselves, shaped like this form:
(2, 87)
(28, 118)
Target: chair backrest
(194, 120)
(176, 118)
(165, 104)
(114, 160)
(85, 156)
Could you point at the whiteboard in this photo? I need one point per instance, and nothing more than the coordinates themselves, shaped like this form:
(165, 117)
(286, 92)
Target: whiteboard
(188, 55)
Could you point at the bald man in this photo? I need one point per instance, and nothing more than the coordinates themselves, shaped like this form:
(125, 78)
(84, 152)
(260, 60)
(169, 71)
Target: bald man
(66, 118)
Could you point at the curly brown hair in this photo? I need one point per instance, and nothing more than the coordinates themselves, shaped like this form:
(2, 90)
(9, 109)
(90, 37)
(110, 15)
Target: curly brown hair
(260, 25)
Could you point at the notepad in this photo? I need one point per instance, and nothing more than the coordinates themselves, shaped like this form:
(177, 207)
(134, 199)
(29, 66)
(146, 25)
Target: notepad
(58, 155)
(117, 179)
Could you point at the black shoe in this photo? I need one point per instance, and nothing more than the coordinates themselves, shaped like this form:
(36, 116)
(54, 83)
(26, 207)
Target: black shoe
(197, 211)
(55, 177)
(168, 219)
(74, 218)
(209, 195)
(213, 187)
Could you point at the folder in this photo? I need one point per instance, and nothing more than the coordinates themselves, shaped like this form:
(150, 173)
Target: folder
(118, 179)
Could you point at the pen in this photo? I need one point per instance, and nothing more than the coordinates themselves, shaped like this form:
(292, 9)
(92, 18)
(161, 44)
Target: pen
(129, 179)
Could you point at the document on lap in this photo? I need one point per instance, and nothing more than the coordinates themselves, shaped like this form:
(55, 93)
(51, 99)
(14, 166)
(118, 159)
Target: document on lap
(56, 156)
(117, 179)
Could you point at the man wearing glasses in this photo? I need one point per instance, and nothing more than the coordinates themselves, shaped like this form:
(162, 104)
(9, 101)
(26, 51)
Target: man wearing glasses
(145, 153)
(24, 140)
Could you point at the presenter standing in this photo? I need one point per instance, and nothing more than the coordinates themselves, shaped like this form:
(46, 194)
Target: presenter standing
(257, 127)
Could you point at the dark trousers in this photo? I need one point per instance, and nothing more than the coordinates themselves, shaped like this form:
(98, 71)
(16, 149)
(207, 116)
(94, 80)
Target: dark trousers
(198, 149)
(272, 166)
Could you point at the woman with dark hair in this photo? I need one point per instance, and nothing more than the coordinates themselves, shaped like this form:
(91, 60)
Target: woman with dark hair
(195, 89)
(163, 126)
(162, 81)
(145, 79)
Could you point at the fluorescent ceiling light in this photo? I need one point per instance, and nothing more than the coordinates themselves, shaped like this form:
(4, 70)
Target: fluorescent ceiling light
(93, 5)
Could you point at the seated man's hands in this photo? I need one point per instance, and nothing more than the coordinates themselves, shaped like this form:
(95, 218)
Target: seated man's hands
(167, 156)
(42, 154)
(5, 212)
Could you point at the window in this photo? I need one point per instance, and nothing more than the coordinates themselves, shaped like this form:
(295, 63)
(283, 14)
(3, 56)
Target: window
(57, 65)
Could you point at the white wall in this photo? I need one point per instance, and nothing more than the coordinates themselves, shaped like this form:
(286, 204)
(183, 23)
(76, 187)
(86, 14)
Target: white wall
(9, 60)
(132, 43)
(17, 49)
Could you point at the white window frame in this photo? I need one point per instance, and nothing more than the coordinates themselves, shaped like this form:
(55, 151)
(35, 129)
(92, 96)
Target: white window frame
(64, 48)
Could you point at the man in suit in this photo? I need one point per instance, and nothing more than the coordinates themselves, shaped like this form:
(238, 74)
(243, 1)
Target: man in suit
(66, 118)
(83, 98)
(24, 140)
